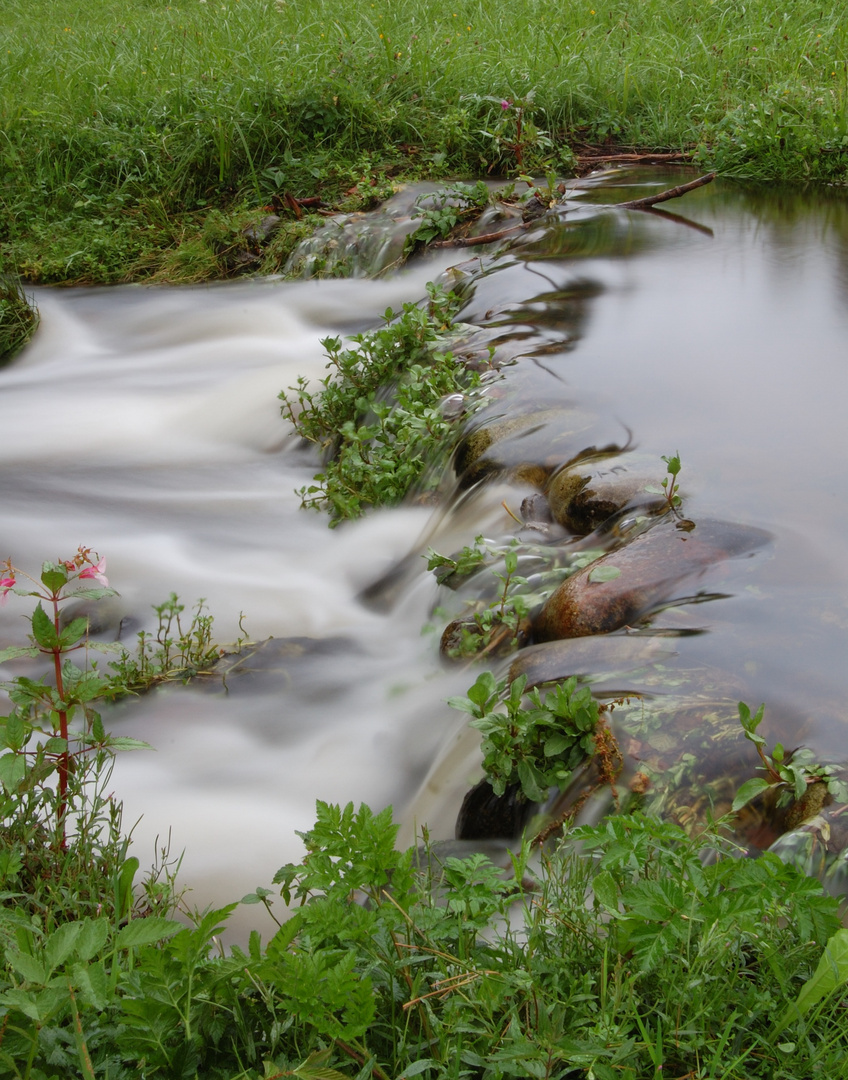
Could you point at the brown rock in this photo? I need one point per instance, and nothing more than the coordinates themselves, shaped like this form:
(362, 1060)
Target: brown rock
(583, 495)
(639, 577)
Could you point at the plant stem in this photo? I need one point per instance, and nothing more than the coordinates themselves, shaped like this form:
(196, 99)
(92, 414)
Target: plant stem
(63, 728)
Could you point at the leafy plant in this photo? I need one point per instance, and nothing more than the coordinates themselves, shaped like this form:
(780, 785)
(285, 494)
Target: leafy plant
(376, 449)
(172, 653)
(669, 486)
(441, 212)
(45, 709)
(536, 745)
(18, 318)
(793, 772)
(499, 615)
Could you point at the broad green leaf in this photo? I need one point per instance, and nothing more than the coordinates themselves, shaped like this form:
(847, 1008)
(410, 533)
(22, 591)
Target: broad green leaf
(16, 733)
(53, 576)
(124, 742)
(91, 594)
(60, 944)
(12, 771)
(749, 790)
(32, 969)
(15, 651)
(71, 634)
(604, 573)
(606, 891)
(43, 629)
(146, 931)
(832, 971)
(92, 938)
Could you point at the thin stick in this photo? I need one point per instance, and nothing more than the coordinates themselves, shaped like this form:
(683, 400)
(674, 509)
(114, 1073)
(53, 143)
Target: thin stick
(664, 196)
(486, 238)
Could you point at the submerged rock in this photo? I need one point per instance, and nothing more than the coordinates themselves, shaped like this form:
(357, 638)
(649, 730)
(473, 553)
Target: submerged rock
(584, 495)
(527, 448)
(621, 587)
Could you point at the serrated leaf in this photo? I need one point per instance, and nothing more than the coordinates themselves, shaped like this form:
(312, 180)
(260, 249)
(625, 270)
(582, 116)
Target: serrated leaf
(123, 742)
(32, 969)
(146, 932)
(53, 576)
(14, 651)
(749, 790)
(71, 634)
(43, 629)
(12, 771)
(16, 733)
(832, 971)
(91, 594)
(92, 938)
(604, 573)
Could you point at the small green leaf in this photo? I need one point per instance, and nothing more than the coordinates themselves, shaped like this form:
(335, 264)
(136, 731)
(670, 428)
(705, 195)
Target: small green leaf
(53, 576)
(71, 634)
(832, 971)
(749, 790)
(146, 932)
(43, 629)
(604, 573)
(123, 742)
(16, 732)
(15, 651)
(12, 771)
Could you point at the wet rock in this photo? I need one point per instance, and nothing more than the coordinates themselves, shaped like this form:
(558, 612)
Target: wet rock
(584, 495)
(528, 447)
(553, 661)
(621, 587)
(487, 816)
(260, 232)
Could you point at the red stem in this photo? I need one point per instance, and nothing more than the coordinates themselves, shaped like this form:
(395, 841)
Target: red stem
(63, 727)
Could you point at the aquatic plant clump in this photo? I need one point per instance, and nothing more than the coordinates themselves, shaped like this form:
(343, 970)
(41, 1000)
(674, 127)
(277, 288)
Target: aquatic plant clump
(18, 319)
(378, 420)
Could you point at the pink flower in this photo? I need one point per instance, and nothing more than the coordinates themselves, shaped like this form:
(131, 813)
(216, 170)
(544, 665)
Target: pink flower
(96, 572)
(6, 583)
(506, 104)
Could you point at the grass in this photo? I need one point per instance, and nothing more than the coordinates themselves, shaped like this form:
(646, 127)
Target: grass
(128, 127)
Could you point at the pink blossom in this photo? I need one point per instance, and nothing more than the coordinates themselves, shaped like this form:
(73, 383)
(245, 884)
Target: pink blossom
(6, 583)
(506, 104)
(96, 572)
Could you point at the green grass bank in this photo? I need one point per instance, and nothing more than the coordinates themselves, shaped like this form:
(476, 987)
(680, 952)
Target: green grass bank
(141, 138)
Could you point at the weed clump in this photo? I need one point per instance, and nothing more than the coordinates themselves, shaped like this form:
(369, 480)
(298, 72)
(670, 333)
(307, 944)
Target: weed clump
(18, 319)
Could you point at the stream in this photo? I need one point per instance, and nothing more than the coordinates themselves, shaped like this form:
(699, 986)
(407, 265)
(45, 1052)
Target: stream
(144, 423)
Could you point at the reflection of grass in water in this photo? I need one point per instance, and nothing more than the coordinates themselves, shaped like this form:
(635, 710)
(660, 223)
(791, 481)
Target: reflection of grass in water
(18, 319)
(126, 123)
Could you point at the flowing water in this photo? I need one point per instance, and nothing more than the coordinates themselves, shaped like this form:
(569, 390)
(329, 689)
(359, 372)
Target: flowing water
(144, 423)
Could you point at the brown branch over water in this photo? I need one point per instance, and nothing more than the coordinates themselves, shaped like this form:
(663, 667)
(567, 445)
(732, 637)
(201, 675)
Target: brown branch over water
(664, 196)
(634, 204)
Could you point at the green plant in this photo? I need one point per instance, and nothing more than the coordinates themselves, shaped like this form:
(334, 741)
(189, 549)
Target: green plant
(377, 419)
(18, 318)
(37, 733)
(442, 212)
(536, 745)
(498, 617)
(669, 486)
(514, 132)
(794, 772)
(172, 653)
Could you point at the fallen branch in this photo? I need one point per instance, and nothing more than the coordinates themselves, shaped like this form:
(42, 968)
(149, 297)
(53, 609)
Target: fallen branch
(486, 238)
(664, 196)
(590, 158)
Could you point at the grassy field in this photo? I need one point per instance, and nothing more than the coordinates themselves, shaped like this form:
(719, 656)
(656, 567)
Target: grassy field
(138, 137)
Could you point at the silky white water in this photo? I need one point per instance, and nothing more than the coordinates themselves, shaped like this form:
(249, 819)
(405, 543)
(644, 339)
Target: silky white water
(144, 423)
